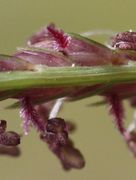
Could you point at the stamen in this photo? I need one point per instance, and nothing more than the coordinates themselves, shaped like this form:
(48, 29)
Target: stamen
(9, 138)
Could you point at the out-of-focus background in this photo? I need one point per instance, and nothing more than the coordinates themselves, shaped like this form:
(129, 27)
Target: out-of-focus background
(107, 158)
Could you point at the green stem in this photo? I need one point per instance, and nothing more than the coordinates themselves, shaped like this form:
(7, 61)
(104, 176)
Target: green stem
(66, 76)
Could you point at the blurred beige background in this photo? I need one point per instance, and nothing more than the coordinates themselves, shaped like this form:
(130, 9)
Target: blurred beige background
(107, 158)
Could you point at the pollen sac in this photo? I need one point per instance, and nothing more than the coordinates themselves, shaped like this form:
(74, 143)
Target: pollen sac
(71, 157)
(13, 151)
(56, 136)
(56, 125)
(3, 126)
(125, 40)
(70, 126)
(125, 44)
(56, 131)
(9, 138)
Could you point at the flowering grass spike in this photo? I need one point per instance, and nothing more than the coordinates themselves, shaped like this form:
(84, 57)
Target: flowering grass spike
(55, 67)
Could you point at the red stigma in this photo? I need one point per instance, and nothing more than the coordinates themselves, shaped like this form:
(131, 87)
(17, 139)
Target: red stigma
(61, 38)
